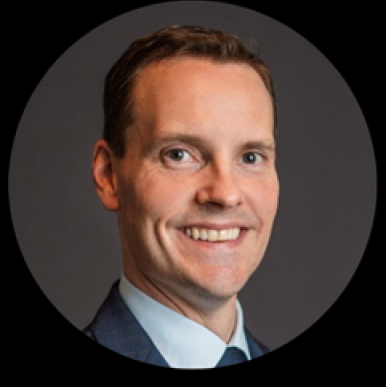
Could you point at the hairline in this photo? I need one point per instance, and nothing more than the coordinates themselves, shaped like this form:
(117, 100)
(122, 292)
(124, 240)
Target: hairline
(142, 53)
(135, 77)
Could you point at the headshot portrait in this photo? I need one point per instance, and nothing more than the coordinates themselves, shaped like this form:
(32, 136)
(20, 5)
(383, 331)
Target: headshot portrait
(201, 186)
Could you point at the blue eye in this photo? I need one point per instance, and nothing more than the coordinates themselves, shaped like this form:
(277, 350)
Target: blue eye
(178, 154)
(179, 158)
(251, 157)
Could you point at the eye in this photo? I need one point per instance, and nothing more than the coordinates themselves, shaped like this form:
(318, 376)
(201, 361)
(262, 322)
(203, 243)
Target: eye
(251, 158)
(180, 159)
(178, 155)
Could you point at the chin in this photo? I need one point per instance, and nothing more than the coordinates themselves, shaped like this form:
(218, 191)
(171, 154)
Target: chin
(222, 284)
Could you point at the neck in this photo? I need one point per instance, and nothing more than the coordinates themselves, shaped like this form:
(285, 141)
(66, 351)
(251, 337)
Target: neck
(216, 314)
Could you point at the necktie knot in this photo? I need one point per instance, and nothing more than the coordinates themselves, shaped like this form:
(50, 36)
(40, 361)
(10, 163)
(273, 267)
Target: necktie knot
(232, 355)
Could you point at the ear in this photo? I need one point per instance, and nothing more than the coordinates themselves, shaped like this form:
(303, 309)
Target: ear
(103, 175)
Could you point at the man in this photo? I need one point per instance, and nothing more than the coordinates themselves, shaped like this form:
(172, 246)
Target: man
(187, 161)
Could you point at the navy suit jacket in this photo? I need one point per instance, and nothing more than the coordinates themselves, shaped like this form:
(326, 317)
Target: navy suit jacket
(116, 328)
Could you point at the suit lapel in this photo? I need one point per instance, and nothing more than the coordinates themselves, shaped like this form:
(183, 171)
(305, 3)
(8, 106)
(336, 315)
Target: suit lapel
(116, 328)
(256, 348)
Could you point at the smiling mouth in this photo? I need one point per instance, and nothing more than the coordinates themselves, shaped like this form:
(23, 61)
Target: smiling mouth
(211, 235)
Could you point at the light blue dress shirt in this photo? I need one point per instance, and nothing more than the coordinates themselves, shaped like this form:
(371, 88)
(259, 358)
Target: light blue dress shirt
(181, 341)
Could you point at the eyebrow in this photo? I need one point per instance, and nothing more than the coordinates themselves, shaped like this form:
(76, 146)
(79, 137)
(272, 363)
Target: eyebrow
(266, 145)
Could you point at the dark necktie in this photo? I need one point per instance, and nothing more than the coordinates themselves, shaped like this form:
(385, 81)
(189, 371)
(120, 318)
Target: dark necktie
(231, 356)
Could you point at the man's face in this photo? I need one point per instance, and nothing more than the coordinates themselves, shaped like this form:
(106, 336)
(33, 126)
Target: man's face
(197, 187)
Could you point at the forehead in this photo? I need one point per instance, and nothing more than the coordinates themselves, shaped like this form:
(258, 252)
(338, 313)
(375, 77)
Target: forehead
(191, 74)
(200, 95)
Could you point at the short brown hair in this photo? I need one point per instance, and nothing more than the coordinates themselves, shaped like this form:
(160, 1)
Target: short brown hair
(169, 42)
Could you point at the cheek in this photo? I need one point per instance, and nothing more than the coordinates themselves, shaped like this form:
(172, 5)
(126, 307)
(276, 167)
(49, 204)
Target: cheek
(147, 202)
(263, 198)
(159, 196)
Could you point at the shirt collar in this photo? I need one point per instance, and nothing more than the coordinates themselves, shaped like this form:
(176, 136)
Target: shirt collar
(181, 341)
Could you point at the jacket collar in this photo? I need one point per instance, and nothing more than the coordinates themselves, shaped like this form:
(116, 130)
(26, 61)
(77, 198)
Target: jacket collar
(116, 328)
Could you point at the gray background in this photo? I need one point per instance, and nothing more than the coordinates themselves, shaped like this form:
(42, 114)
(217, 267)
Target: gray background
(325, 163)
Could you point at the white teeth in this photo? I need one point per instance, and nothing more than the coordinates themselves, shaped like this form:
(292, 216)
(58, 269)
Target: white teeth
(204, 235)
(196, 233)
(223, 235)
(213, 235)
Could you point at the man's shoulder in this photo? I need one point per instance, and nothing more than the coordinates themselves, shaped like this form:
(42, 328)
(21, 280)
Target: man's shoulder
(112, 317)
(116, 328)
(256, 347)
(88, 332)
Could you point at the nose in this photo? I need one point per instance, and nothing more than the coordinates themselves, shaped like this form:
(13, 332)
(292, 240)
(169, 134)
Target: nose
(220, 188)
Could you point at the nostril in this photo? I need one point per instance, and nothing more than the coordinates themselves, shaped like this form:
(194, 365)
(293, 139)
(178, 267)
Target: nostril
(220, 187)
(219, 199)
